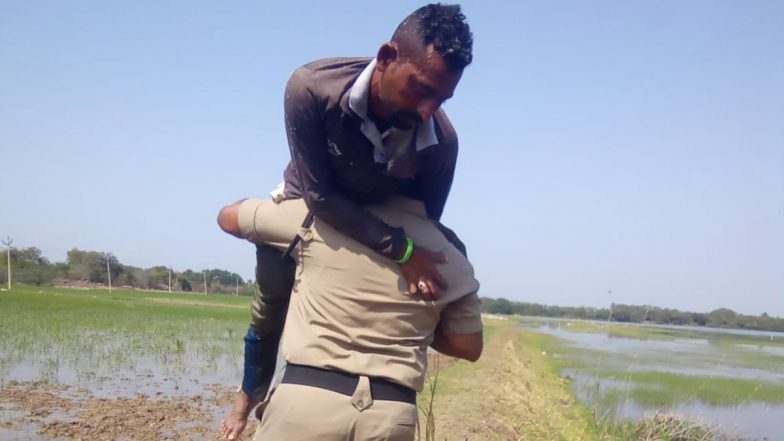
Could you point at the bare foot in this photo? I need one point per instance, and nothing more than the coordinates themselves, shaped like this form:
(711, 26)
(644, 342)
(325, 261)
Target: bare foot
(233, 425)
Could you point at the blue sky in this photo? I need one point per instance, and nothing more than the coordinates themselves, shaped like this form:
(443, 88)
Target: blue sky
(613, 151)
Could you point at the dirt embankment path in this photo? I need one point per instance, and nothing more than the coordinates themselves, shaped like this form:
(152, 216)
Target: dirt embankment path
(509, 394)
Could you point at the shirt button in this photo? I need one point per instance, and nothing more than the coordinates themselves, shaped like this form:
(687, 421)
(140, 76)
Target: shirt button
(360, 403)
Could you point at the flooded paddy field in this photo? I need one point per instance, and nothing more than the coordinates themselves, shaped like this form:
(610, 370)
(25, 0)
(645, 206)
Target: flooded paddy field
(733, 380)
(94, 364)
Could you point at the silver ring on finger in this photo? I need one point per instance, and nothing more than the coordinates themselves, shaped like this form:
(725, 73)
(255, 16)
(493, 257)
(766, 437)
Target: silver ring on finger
(422, 285)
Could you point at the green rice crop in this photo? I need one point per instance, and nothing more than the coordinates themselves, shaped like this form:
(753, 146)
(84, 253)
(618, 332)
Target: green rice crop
(667, 389)
(95, 331)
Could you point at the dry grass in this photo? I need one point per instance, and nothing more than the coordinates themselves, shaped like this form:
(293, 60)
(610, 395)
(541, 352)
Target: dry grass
(660, 427)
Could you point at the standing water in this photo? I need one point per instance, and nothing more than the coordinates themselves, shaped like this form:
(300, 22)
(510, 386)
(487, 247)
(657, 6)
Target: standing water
(731, 379)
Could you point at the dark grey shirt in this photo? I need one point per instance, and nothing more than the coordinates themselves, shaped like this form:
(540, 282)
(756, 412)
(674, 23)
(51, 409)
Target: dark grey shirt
(332, 162)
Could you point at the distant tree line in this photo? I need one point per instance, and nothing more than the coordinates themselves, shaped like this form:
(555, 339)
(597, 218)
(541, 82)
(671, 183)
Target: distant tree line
(719, 318)
(29, 266)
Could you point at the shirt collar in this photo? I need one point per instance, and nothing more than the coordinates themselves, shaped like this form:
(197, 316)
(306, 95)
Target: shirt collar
(358, 102)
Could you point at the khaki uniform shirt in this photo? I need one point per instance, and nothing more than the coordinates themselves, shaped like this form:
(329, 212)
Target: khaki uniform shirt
(350, 308)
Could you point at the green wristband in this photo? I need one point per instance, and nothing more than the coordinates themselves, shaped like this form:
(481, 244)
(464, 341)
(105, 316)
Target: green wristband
(408, 253)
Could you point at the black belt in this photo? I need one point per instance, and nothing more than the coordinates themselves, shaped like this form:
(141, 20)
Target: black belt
(345, 383)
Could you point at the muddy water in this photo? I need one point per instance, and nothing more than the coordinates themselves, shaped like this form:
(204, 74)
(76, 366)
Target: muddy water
(694, 354)
(116, 390)
(149, 376)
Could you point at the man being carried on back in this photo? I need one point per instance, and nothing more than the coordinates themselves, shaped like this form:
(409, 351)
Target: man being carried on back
(367, 131)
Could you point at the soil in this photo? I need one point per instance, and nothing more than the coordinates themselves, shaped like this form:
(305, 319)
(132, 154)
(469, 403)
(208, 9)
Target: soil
(43, 411)
(53, 412)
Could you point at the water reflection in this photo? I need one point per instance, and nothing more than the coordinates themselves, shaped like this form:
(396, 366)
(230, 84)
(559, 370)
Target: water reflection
(772, 350)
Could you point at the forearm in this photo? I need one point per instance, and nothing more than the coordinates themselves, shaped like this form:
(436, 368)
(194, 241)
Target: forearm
(468, 347)
(353, 220)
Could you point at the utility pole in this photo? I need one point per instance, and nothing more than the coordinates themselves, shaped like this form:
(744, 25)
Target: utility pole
(108, 272)
(237, 289)
(169, 279)
(203, 273)
(8, 243)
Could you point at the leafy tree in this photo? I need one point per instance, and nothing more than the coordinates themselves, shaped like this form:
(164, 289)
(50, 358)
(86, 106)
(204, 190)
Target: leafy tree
(222, 277)
(131, 276)
(637, 314)
(28, 265)
(91, 265)
(722, 318)
(159, 277)
(31, 267)
(502, 306)
(185, 285)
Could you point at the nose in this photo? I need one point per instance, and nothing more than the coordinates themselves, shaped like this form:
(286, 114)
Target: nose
(426, 109)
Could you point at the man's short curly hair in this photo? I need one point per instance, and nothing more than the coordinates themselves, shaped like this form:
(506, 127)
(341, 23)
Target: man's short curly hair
(444, 27)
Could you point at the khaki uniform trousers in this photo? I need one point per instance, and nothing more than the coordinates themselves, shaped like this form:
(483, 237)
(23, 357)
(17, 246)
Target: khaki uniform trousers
(305, 413)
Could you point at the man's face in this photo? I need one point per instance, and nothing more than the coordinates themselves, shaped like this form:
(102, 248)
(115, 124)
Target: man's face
(411, 90)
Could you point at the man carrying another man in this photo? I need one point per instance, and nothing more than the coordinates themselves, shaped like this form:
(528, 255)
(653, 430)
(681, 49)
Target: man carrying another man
(373, 157)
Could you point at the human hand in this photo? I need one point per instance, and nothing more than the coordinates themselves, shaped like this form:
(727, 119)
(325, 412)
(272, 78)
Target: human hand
(421, 274)
(235, 422)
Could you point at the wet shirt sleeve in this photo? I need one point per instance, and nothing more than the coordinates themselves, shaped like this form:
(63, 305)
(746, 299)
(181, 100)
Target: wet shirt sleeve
(307, 142)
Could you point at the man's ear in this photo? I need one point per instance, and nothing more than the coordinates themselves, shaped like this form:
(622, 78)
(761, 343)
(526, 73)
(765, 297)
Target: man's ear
(387, 54)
